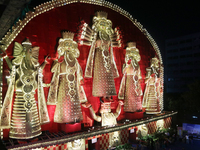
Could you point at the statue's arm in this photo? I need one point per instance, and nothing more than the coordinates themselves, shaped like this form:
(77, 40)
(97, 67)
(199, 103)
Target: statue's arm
(46, 61)
(118, 110)
(8, 61)
(124, 68)
(93, 115)
(148, 74)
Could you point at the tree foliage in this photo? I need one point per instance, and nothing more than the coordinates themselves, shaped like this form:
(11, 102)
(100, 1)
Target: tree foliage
(188, 101)
(192, 98)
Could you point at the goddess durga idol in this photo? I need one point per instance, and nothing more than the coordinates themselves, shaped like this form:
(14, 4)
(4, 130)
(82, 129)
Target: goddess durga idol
(102, 38)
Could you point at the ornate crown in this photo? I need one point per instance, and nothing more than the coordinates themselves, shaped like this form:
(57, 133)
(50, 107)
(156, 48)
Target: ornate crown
(131, 44)
(27, 42)
(68, 35)
(155, 59)
(102, 14)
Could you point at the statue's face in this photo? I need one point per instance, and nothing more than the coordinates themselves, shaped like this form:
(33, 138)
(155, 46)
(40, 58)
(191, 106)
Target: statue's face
(105, 25)
(28, 51)
(105, 107)
(133, 54)
(154, 63)
(115, 137)
(68, 47)
(31, 54)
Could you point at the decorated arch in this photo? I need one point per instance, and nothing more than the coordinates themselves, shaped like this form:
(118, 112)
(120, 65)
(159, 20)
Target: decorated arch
(44, 26)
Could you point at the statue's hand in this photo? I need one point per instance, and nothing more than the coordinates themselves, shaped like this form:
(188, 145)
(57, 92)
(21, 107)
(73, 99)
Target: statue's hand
(86, 104)
(121, 103)
(47, 59)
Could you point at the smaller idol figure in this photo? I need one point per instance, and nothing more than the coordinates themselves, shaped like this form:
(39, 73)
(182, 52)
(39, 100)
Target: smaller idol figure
(107, 118)
(160, 124)
(102, 39)
(78, 144)
(151, 99)
(66, 90)
(142, 131)
(130, 88)
(26, 76)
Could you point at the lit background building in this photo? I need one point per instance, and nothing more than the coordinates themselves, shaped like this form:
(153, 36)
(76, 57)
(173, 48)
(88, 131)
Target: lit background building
(182, 62)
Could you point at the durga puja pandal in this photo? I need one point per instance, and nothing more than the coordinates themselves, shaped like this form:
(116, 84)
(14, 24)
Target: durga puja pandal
(79, 75)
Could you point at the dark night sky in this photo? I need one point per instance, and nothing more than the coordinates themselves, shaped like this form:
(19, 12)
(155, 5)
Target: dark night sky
(162, 19)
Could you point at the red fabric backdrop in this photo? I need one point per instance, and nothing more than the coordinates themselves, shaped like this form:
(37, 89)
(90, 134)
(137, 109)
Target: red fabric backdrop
(45, 30)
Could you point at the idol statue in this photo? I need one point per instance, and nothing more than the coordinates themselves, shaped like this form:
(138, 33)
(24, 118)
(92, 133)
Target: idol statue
(26, 76)
(78, 144)
(142, 131)
(151, 99)
(160, 124)
(107, 118)
(102, 39)
(66, 90)
(130, 88)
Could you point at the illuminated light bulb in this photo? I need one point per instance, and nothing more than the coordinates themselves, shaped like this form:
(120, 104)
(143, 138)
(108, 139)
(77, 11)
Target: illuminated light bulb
(82, 36)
